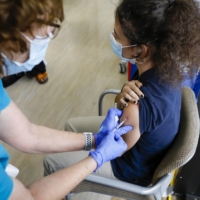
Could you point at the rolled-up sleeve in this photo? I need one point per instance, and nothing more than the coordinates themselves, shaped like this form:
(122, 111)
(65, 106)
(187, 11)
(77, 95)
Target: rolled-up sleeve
(144, 115)
(150, 112)
(4, 98)
(6, 185)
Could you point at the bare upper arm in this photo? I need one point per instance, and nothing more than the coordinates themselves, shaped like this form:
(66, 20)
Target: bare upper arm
(14, 127)
(131, 114)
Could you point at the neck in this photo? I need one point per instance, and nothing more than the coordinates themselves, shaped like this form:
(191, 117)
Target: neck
(144, 66)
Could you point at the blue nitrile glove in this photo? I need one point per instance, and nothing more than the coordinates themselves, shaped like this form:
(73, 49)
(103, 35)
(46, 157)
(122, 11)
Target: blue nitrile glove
(109, 123)
(111, 146)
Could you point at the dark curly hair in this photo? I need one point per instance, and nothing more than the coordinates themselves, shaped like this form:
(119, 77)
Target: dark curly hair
(170, 28)
(18, 15)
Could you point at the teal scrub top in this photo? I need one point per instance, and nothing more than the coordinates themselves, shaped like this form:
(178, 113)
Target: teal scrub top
(6, 183)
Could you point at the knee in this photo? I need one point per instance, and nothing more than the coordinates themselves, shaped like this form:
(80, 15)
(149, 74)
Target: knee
(48, 164)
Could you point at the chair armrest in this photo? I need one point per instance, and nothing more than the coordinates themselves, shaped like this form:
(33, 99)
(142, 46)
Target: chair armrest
(108, 91)
(161, 185)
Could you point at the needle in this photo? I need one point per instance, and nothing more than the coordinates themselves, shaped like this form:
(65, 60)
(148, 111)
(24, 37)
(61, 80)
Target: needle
(120, 125)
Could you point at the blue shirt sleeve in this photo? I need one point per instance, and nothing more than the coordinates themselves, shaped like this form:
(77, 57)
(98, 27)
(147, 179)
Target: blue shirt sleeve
(148, 112)
(145, 116)
(4, 98)
(6, 183)
(151, 109)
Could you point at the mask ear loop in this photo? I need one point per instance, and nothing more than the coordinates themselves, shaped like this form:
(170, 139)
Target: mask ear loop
(144, 60)
(57, 24)
(140, 53)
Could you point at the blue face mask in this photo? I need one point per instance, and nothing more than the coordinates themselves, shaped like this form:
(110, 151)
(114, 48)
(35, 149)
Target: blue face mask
(117, 48)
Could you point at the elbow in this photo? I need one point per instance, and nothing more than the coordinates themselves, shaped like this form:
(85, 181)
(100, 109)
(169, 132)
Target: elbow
(26, 147)
(32, 191)
(27, 143)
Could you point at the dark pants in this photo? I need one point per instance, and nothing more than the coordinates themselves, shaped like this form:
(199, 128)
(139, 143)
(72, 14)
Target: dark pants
(38, 69)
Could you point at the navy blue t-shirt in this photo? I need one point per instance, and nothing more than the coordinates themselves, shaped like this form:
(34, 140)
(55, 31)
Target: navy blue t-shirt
(159, 116)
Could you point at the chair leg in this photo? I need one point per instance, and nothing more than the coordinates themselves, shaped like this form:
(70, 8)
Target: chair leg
(173, 182)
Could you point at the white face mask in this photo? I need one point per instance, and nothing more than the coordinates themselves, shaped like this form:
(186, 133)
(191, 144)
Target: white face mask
(117, 48)
(38, 47)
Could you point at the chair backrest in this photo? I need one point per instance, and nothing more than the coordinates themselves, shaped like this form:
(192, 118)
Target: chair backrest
(186, 140)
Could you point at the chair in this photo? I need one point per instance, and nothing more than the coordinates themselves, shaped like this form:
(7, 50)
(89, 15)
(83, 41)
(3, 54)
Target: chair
(181, 151)
(105, 92)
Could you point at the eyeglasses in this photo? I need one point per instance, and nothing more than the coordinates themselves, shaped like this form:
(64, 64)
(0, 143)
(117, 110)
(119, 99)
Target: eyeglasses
(57, 24)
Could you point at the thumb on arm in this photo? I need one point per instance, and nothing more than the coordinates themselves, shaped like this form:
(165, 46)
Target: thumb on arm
(112, 112)
(120, 141)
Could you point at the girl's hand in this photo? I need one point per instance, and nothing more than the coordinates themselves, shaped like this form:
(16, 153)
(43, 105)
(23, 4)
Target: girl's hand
(131, 92)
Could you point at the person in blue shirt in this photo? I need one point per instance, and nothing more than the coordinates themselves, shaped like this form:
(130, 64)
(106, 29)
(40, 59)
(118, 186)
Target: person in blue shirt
(17, 131)
(162, 38)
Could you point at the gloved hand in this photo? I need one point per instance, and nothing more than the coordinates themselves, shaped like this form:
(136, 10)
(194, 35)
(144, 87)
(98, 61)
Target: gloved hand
(109, 123)
(111, 146)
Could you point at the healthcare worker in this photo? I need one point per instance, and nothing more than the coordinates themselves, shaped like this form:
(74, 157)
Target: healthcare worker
(19, 21)
(30, 138)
